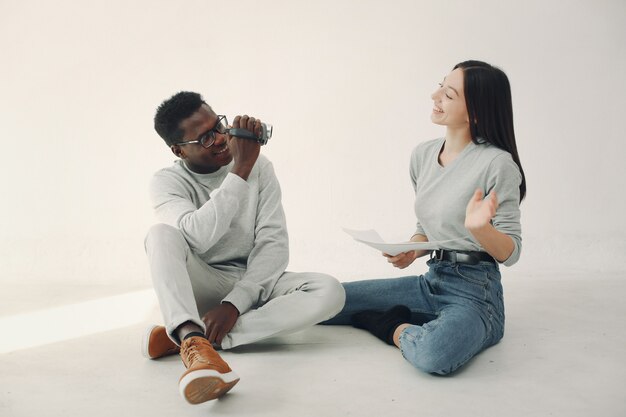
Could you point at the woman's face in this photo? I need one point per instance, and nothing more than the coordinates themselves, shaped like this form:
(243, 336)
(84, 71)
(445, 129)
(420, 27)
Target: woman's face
(449, 107)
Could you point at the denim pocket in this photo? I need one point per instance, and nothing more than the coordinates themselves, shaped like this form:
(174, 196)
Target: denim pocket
(474, 274)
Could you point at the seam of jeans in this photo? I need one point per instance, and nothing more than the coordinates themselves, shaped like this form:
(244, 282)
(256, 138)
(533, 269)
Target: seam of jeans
(403, 336)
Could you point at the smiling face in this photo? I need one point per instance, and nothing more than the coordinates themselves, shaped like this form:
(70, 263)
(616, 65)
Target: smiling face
(449, 107)
(198, 158)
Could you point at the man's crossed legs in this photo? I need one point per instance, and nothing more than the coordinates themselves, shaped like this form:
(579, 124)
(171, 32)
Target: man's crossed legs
(187, 288)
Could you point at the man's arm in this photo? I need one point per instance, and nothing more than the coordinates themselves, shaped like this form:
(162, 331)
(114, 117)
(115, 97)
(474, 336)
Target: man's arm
(270, 255)
(202, 227)
(266, 262)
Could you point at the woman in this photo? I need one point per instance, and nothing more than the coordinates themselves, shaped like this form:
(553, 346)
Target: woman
(441, 319)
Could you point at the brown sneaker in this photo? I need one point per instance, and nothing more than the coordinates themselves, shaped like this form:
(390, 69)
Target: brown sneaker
(208, 376)
(156, 343)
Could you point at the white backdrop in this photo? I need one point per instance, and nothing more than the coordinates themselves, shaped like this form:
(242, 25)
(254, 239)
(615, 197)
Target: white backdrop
(346, 84)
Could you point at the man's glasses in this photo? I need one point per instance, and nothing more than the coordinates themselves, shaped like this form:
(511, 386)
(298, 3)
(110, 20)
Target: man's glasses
(207, 139)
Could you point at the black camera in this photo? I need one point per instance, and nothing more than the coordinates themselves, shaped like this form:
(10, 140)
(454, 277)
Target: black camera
(266, 133)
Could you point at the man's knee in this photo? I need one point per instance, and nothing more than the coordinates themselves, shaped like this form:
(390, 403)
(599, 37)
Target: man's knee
(163, 235)
(331, 292)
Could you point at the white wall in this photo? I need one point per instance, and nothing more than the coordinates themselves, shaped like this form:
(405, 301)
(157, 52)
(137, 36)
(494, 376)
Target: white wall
(347, 86)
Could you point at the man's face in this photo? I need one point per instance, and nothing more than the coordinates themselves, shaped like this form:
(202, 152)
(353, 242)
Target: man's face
(198, 158)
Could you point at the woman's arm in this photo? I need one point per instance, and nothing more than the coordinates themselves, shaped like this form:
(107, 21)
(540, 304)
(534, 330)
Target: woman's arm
(478, 215)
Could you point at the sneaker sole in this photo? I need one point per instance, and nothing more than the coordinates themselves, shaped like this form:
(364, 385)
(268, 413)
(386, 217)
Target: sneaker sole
(145, 345)
(205, 385)
(145, 341)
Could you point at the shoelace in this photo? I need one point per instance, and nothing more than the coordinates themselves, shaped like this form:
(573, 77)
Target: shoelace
(193, 352)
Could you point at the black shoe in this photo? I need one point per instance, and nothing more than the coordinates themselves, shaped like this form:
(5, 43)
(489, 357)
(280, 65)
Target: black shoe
(382, 324)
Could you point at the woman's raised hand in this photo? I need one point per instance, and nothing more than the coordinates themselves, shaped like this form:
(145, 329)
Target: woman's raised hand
(480, 211)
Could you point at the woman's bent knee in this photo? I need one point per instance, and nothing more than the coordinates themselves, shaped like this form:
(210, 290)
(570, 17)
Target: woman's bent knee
(441, 366)
(432, 358)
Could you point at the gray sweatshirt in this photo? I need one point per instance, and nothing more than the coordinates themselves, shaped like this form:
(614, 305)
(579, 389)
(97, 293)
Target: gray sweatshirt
(442, 193)
(232, 224)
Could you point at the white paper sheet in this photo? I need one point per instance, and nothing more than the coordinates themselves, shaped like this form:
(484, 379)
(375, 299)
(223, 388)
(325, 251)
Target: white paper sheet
(372, 238)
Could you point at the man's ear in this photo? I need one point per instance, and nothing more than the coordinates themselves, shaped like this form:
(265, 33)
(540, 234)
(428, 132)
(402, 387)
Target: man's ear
(178, 151)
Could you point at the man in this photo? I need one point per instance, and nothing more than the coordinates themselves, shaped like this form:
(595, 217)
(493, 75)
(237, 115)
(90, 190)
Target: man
(219, 255)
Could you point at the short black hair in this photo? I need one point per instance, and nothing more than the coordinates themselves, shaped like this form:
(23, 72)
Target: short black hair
(173, 111)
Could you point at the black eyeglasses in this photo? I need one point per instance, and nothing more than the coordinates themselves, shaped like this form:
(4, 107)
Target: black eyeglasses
(207, 139)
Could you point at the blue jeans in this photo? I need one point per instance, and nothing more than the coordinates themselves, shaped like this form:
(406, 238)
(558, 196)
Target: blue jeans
(459, 307)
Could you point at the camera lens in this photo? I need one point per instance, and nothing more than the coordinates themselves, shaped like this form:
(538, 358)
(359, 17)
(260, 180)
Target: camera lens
(267, 130)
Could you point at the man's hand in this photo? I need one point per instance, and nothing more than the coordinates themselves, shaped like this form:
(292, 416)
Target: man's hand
(401, 260)
(245, 152)
(219, 321)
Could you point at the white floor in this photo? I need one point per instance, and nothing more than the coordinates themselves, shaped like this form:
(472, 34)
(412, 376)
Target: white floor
(564, 354)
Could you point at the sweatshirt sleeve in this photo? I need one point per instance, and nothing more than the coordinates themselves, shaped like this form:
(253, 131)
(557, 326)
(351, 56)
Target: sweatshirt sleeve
(505, 178)
(270, 255)
(202, 227)
(414, 172)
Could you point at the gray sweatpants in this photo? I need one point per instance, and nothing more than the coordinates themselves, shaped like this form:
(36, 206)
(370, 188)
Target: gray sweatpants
(187, 288)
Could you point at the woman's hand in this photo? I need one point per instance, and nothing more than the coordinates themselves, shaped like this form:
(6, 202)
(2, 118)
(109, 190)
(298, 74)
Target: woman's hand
(478, 217)
(401, 260)
(479, 211)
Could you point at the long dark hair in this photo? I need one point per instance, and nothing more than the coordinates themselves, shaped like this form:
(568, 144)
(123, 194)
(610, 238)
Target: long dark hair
(490, 109)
